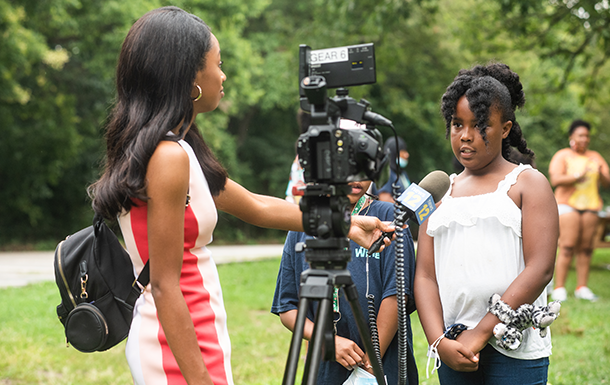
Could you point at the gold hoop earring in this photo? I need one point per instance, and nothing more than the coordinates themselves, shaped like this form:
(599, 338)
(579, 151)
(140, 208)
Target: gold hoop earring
(200, 93)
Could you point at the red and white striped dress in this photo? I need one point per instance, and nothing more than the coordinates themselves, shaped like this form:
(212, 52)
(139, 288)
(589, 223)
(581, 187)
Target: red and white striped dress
(148, 354)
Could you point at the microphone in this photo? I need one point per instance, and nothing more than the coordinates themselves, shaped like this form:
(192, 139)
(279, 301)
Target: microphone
(418, 202)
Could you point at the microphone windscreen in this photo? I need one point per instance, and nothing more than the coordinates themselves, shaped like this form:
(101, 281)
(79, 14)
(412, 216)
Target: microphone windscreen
(436, 183)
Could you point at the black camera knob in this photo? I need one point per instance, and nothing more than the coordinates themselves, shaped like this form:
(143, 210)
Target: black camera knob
(323, 231)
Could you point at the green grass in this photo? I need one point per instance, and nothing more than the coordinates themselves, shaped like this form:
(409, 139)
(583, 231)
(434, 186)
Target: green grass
(32, 347)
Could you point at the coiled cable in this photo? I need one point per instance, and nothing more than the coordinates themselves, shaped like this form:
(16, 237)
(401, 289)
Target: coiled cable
(403, 342)
(373, 328)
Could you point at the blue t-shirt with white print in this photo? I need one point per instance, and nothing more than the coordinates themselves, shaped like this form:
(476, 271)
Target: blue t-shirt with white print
(382, 283)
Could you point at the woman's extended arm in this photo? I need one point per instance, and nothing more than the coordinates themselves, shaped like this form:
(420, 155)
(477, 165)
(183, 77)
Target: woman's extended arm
(260, 210)
(276, 213)
(168, 179)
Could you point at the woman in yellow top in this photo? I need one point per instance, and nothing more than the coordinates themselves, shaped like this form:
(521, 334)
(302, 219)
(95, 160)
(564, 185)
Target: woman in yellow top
(576, 174)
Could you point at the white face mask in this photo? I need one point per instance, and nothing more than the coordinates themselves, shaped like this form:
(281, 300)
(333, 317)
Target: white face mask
(403, 162)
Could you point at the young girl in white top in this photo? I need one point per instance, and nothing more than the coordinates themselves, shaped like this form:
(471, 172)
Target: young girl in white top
(495, 231)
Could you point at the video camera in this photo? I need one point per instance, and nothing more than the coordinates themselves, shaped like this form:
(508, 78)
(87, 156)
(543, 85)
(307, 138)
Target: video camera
(327, 152)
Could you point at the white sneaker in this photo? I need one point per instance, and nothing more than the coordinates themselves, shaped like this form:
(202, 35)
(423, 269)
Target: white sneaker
(559, 294)
(585, 293)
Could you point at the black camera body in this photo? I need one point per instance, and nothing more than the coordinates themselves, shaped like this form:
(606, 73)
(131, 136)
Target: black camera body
(330, 153)
(327, 152)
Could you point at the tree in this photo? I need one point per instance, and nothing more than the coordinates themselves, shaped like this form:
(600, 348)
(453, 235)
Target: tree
(575, 31)
(57, 63)
(61, 83)
(39, 138)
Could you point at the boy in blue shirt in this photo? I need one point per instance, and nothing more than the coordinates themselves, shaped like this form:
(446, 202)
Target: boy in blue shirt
(381, 283)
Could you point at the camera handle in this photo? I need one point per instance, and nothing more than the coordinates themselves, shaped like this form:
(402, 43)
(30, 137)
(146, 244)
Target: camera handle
(318, 285)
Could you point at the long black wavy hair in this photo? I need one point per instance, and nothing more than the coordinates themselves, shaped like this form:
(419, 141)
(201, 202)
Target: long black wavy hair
(492, 86)
(156, 70)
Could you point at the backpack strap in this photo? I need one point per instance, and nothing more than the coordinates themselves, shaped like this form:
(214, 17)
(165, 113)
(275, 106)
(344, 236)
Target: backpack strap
(139, 285)
(144, 276)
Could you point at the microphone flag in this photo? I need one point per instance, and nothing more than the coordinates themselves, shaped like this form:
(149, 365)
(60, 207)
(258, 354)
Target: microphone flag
(419, 201)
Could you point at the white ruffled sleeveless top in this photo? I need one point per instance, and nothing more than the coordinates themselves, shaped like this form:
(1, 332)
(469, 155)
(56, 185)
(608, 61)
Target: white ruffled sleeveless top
(478, 252)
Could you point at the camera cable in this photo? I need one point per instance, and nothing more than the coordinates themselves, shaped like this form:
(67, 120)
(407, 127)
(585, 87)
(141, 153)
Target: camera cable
(403, 317)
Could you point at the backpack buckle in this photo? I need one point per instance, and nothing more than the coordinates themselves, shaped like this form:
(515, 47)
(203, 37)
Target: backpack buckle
(83, 286)
(141, 287)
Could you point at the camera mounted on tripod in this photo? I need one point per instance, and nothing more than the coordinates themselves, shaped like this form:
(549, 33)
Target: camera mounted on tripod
(331, 155)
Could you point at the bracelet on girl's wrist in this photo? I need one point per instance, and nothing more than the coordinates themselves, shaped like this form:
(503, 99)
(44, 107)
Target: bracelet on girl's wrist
(452, 332)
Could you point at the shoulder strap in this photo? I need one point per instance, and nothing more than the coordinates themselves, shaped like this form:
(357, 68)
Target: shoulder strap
(144, 276)
(451, 180)
(139, 285)
(511, 178)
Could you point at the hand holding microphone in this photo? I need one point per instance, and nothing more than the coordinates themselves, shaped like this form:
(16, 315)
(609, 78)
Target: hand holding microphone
(418, 202)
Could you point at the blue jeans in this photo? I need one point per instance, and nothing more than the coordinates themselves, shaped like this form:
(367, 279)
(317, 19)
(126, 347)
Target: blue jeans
(497, 369)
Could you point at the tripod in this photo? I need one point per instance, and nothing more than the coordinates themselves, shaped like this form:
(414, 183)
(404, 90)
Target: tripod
(328, 270)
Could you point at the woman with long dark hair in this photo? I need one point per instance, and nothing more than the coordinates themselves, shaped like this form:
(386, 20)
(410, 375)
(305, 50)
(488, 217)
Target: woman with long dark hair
(165, 185)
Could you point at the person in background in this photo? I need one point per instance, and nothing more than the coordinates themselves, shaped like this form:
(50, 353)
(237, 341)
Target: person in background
(576, 173)
(296, 180)
(371, 275)
(385, 192)
(165, 185)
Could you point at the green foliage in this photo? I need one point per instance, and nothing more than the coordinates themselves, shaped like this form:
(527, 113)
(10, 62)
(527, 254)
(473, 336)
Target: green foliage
(50, 134)
(57, 63)
(526, 36)
(38, 131)
(576, 32)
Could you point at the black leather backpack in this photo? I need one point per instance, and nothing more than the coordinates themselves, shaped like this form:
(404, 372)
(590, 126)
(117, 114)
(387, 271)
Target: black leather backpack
(97, 286)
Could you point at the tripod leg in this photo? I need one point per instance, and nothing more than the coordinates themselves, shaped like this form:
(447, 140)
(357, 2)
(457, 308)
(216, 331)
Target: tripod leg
(295, 344)
(314, 353)
(351, 292)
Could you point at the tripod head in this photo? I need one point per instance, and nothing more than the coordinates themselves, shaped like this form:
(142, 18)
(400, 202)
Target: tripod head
(326, 216)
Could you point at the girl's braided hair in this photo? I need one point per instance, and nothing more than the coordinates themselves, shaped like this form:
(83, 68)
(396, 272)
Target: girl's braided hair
(486, 87)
